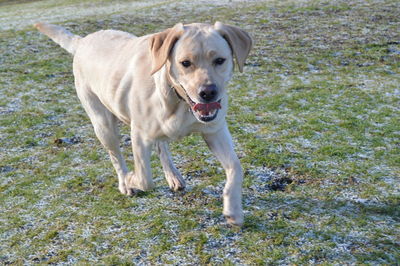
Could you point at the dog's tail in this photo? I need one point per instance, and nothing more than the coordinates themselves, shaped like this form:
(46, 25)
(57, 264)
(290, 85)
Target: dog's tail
(58, 34)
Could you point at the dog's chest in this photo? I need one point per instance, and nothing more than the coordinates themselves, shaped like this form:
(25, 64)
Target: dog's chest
(179, 124)
(182, 123)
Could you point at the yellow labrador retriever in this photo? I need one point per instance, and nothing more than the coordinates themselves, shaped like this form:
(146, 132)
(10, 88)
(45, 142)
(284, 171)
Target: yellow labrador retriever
(165, 86)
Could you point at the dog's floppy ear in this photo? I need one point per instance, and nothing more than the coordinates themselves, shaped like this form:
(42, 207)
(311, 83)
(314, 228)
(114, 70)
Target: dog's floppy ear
(161, 45)
(239, 41)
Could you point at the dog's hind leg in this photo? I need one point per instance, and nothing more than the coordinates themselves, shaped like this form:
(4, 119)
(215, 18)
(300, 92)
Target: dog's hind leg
(105, 125)
(174, 178)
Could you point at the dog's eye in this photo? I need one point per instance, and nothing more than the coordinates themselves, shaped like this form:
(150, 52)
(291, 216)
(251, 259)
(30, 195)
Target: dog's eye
(186, 63)
(219, 61)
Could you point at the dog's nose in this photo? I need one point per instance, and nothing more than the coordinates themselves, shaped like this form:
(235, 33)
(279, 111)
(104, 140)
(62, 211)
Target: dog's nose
(208, 92)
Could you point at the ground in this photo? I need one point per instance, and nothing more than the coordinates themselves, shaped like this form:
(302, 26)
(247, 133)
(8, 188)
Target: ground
(316, 122)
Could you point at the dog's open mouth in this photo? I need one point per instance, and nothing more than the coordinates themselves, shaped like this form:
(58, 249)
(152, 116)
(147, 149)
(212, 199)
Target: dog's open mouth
(205, 112)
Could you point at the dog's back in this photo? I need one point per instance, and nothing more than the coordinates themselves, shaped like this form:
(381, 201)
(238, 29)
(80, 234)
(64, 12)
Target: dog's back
(104, 54)
(108, 63)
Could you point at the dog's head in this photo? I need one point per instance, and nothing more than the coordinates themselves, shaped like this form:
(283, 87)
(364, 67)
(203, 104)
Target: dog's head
(199, 61)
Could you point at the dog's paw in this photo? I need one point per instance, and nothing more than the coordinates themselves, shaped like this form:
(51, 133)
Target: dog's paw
(136, 185)
(126, 187)
(234, 219)
(123, 189)
(176, 183)
(129, 191)
(134, 192)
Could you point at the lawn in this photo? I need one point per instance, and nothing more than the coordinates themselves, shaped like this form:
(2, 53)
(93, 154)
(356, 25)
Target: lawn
(315, 117)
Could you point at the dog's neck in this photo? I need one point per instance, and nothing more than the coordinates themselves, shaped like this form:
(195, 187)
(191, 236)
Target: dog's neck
(171, 95)
(177, 93)
(177, 87)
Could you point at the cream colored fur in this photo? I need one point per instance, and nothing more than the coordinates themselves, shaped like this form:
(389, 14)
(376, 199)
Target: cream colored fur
(119, 76)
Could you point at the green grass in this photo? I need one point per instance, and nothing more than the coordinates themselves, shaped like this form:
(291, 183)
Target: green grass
(315, 118)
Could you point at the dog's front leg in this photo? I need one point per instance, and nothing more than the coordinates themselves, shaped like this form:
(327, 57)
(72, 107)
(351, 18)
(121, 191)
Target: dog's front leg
(221, 145)
(141, 179)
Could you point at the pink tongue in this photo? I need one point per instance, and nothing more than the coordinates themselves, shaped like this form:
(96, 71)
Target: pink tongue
(205, 108)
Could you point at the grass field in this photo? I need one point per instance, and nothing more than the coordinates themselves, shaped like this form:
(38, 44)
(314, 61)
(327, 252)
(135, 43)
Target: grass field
(315, 117)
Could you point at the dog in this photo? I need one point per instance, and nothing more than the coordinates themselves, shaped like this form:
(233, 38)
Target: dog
(165, 86)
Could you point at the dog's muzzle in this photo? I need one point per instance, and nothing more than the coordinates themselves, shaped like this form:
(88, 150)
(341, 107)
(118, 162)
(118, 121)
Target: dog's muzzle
(204, 112)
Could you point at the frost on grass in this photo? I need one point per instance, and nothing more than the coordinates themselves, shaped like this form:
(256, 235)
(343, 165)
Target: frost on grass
(26, 14)
(317, 102)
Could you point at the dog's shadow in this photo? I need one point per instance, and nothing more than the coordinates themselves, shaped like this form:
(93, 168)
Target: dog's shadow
(328, 218)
